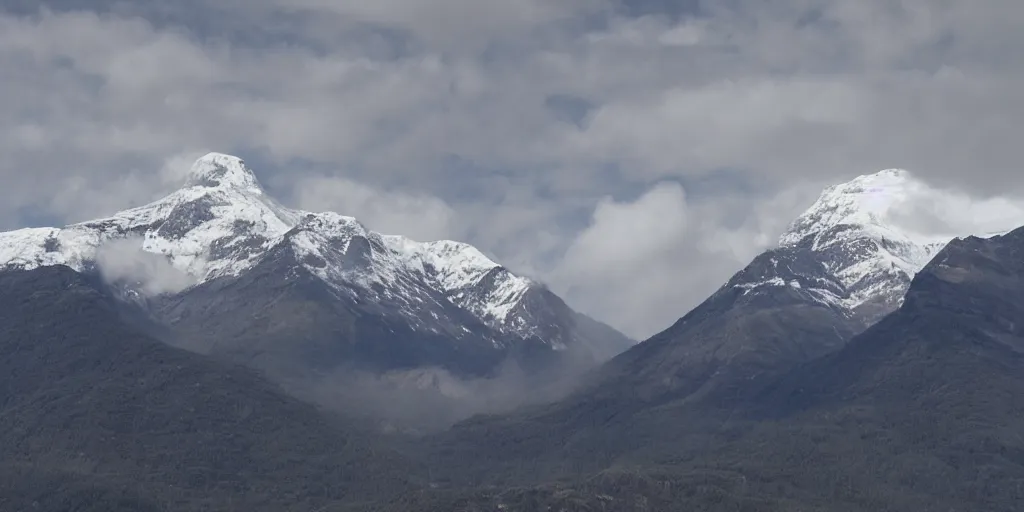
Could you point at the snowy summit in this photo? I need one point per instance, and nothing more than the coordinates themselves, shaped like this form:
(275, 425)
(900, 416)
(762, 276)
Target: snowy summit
(856, 224)
(220, 170)
(222, 223)
(865, 245)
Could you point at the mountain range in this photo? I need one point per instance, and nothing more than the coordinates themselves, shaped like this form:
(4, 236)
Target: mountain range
(861, 364)
(920, 411)
(842, 265)
(843, 269)
(219, 267)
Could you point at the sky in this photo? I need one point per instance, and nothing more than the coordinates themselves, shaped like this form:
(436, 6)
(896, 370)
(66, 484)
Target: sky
(632, 154)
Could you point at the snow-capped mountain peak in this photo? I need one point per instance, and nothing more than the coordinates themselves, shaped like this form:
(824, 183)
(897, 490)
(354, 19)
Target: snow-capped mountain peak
(861, 242)
(855, 230)
(221, 223)
(871, 201)
(218, 170)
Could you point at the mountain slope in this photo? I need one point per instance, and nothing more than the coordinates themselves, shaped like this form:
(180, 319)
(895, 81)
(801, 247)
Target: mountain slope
(104, 417)
(959, 323)
(855, 232)
(843, 263)
(921, 411)
(279, 317)
(925, 407)
(222, 226)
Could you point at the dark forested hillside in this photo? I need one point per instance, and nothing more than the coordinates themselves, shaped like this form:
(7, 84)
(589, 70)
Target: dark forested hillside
(94, 416)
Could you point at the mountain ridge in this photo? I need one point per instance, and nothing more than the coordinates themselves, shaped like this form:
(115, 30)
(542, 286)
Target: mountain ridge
(320, 303)
(918, 411)
(842, 265)
(221, 223)
(786, 308)
(858, 232)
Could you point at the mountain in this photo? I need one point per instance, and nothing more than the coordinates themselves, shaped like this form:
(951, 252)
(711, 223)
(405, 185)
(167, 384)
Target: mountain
(232, 272)
(924, 408)
(94, 415)
(781, 392)
(854, 233)
(921, 410)
(956, 338)
(843, 264)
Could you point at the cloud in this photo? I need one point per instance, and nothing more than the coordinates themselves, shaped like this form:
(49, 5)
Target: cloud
(508, 123)
(622, 233)
(123, 261)
(426, 399)
(948, 213)
(455, 25)
(419, 217)
(662, 245)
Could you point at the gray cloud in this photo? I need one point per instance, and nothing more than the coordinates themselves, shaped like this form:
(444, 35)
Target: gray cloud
(414, 215)
(424, 399)
(510, 124)
(455, 25)
(124, 262)
(663, 245)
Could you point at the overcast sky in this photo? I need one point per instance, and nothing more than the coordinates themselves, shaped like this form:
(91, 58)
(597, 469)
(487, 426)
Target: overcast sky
(631, 153)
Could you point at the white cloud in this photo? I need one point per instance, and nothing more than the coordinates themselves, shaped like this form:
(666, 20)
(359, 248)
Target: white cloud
(659, 245)
(417, 216)
(124, 261)
(943, 213)
(622, 235)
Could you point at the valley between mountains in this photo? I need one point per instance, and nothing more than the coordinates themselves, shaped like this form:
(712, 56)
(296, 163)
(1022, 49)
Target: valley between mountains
(217, 350)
